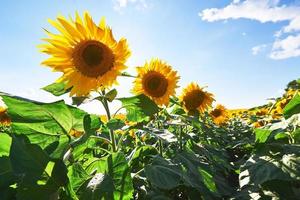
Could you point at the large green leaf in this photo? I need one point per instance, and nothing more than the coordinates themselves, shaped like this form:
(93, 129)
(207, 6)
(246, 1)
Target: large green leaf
(28, 161)
(112, 172)
(43, 123)
(293, 107)
(139, 107)
(261, 135)
(77, 176)
(99, 187)
(5, 142)
(260, 169)
(115, 124)
(57, 89)
(38, 177)
(6, 174)
(164, 174)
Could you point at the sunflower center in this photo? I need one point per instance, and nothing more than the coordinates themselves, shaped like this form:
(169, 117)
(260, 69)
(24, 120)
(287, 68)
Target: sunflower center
(93, 58)
(193, 100)
(155, 84)
(92, 55)
(216, 113)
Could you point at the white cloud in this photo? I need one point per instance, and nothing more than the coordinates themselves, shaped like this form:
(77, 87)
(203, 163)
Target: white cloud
(286, 48)
(257, 49)
(264, 11)
(139, 4)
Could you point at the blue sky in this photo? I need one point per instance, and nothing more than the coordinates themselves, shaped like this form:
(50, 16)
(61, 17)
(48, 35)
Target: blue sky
(243, 57)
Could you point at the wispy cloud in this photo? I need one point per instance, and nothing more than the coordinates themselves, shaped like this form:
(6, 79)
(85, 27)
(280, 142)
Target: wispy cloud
(139, 4)
(257, 49)
(285, 45)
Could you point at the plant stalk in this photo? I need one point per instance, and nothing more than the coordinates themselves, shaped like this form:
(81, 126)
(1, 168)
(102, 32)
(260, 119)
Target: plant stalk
(111, 132)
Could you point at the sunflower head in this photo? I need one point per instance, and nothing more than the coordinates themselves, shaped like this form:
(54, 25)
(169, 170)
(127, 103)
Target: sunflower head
(75, 133)
(258, 124)
(86, 53)
(194, 98)
(4, 118)
(262, 112)
(156, 80)
(219, 115)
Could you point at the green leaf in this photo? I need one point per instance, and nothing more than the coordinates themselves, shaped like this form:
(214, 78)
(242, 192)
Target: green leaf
(261, 135)
(77, 176)
(139, 108)
(57, 89)
(30, 192)
(293, 107)
(77, 101)
(8, 193)
(208, 180)
(43, 123)
(98, 187)
(260, 169)
(59, 174)
(6, 174)
(113, 172)
(142, 154)
(5, 141)
(115, 124)
(28, 161)
(111, 95)
(163, 174)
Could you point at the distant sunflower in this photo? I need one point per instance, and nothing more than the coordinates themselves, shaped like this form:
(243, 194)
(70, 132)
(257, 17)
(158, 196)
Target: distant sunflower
(262, 112)
(258, 124)
(195, 98)
(87, 54)
(75, 133)
(4, 118)
(219, 115)
(156, 80)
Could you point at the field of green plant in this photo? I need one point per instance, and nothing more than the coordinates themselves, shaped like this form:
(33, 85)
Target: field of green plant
(157, 145)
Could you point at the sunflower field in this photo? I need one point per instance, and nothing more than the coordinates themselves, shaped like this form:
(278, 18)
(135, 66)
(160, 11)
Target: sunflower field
(157, 145)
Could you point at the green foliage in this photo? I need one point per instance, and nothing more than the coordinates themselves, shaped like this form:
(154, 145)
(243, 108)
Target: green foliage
(139, 108)
(56, 151)
(293, 107)
(57, 89)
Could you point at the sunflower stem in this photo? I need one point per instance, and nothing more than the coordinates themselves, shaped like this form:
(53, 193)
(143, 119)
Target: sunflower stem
(111, 132)
(160, 147)
(180, 138)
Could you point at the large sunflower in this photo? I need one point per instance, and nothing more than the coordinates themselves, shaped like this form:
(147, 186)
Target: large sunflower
(87, 54)
(195, 98)
(219, 115)
(156, 80)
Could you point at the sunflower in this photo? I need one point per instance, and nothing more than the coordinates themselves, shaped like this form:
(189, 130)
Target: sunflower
(87, 54)
(262, 112)
(195, 98)
(75, 133)
(258, 124)
(4, 118)
(156, 80)
(219, 115)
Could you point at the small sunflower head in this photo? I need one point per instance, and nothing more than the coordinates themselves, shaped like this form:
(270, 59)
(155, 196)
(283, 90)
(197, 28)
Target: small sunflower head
(157, 80)
(258, 124)
(194, 98)
(86, 53)
(75, 133)
(219, 115)
(262, 112)
(4, 118)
